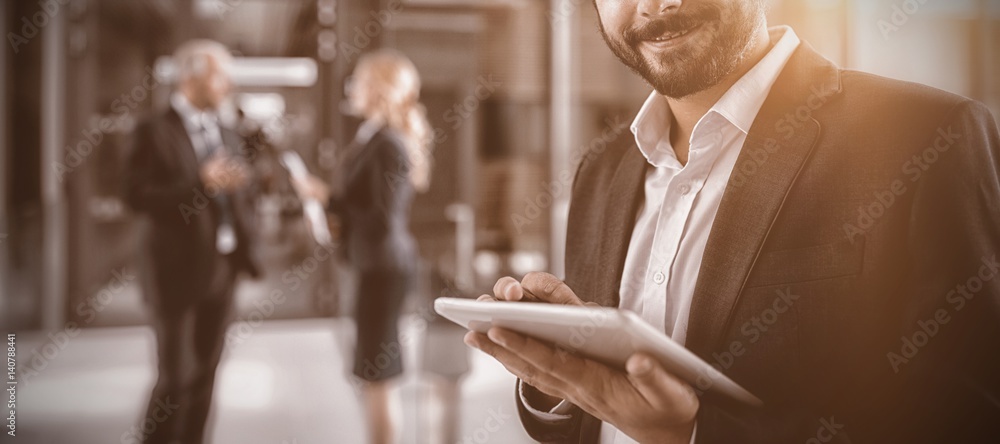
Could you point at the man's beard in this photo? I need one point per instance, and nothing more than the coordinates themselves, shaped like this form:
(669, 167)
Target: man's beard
(688, 68)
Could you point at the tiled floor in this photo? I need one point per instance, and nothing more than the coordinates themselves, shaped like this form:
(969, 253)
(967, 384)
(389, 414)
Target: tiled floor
(284, 384)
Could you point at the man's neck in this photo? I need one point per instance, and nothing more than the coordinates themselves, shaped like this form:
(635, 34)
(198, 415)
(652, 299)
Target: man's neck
(688, 110)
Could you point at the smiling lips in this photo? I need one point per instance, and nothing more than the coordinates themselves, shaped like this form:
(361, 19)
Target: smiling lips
(676, 35)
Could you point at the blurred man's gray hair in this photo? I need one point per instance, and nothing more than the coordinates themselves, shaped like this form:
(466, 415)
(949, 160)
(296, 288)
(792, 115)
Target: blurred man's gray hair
(191, 58)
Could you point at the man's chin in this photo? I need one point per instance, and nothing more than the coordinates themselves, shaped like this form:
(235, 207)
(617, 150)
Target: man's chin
(668, 84)
(677, 88)
(675, 93)
(679, 79)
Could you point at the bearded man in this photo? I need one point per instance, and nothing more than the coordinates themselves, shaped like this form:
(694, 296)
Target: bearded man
(827, 238)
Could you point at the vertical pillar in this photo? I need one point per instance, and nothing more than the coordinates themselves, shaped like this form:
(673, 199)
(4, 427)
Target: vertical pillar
(562, 20)
(4, 171)
(987, 45)
(329, 14)
(54, 240)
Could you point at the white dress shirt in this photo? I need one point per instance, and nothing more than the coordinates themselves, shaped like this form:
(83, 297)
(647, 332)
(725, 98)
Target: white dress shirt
(203, 129)
(672, 227)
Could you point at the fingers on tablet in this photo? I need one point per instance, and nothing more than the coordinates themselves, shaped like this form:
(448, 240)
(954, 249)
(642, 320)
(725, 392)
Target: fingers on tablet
(549, 288)
(535, 287)
(508, 289)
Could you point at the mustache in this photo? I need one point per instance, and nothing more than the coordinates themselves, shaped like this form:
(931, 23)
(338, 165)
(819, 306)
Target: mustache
(671, 24)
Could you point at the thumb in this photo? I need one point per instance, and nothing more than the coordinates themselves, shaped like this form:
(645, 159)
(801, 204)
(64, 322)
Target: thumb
(660, 388)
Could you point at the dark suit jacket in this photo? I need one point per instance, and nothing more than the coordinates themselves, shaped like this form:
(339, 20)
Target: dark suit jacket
(374, 204)
(872, 208)
(162, 181)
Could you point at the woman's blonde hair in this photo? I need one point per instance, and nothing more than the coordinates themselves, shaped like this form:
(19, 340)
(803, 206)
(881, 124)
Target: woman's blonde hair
(386, 87)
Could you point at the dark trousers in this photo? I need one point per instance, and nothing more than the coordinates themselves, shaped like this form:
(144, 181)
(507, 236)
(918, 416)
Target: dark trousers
(189, 345)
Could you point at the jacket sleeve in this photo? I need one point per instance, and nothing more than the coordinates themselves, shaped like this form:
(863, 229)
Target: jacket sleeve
(947, 391)
(149, 192)
(565, 431)
(954, 238)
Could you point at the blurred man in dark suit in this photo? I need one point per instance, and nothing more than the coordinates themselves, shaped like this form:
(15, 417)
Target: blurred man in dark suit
(185, 173)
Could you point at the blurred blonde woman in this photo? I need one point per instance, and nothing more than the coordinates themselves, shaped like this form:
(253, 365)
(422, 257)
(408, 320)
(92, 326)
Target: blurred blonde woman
(386, 163)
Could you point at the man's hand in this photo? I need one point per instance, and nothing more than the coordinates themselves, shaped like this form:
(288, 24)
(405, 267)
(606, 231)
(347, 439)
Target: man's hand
(224, 173)
(645, 402)
(535, 287)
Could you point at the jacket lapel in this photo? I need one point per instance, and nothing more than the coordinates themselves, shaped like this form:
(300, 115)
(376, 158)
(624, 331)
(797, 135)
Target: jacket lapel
(185, 150)
(625, 194)
(750, 206)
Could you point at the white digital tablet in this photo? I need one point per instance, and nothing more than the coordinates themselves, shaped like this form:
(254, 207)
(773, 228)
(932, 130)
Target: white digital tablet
(604, 334)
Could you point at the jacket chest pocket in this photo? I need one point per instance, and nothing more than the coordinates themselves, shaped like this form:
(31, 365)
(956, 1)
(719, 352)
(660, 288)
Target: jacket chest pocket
(811, 263)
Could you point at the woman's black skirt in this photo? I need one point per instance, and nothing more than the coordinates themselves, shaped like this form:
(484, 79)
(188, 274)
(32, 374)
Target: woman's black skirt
(380, 297)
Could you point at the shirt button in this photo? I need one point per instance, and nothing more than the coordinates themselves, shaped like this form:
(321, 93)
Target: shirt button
(659, 277)
(685, 189)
